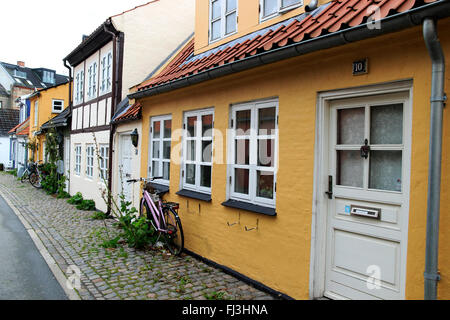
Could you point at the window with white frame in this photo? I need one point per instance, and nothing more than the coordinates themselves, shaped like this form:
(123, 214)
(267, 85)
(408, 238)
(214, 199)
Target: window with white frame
(106, 65)
(104, 162)
(160, 148)
(271, 8)
(90, 161)
(197, 150)
(36, 113)
(78, 159)
(57, 106)
(92, 80)
(79, 90)
(223, 19)
(253, 153)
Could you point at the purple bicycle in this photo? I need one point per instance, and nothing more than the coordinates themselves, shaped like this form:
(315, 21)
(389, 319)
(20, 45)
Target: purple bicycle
(162, 215)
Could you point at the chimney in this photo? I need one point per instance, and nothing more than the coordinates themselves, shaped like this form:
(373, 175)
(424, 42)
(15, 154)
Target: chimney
(21, 64)
(84, 37)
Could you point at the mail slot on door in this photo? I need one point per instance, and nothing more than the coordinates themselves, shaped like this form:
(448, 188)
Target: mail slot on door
(366, 212)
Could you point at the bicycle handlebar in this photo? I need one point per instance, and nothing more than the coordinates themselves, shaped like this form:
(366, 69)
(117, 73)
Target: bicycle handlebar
(144, 179)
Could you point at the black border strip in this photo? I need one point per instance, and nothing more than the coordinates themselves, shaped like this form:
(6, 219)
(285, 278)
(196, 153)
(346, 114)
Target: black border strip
(250, 207)
(195, 195)
(240, 276)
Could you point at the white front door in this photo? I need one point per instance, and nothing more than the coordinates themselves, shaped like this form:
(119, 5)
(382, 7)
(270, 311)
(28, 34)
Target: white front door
(368, 199)
(125, 169)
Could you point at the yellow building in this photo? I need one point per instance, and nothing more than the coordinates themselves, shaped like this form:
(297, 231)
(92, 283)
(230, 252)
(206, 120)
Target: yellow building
(298, 144)
(45, 104)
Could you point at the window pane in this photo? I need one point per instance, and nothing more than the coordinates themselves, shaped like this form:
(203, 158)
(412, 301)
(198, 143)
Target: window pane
(190, 174)
(157, 129)
(270, 6)
(190, 152)
(243, 122)
(231, 23)
(155, 169)
(266, 154)
(265, 184)
(387, 124)
(206, 151)
(241, 177)
(351, 123)
(216, 29)
(350, 169)
(267, 121)
(166, 170)
(207, 125)
(216, 9)
(243, 152)
(166, 151)
(287, 3)
(156, 151)
(205, 178)
(231, 5)
(168, 129)
(386, 170)
(192, 127)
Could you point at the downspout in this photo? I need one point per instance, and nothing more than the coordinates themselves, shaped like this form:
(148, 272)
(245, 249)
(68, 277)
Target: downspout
(112, 126)
(311, 6)
(70, 110)
(438, 99)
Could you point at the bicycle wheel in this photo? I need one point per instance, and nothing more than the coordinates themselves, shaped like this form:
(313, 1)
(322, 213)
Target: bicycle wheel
(24, 177)
(174, 237)
(35, 180)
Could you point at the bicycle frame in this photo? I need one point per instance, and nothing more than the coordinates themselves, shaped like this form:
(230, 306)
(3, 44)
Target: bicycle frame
(157, 213)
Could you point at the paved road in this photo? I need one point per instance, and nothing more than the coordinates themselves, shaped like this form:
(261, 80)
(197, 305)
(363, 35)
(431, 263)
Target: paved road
(24, 275)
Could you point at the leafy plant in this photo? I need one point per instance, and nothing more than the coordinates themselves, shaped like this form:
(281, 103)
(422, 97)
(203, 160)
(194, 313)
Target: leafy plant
(99, 216)
(111, 244)
(76, 199)
(215, 296)
(86, 205)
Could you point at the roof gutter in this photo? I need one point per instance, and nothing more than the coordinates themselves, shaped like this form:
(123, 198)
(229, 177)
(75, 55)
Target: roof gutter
(70, 84)
(389, 24)
(438, 99)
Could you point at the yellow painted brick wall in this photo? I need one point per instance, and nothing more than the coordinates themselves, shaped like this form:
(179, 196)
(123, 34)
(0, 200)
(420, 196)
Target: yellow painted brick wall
(278, 255)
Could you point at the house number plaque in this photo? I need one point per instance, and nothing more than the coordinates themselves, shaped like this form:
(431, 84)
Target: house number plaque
(360, 67)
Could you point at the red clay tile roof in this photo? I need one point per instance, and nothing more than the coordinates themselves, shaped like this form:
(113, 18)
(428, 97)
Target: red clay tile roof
(132, 113)
(13, 130)
(328, 18)
(24, 132)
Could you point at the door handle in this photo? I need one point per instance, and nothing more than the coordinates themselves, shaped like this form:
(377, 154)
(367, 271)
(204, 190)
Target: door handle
(329, 193)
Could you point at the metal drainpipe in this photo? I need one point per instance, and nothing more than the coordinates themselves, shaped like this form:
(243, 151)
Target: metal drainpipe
(112, 127)
(438, 99)
(70, 83)
(311, 6)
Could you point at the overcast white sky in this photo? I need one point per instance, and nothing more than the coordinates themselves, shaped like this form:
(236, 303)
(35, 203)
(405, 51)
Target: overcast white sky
(41, 33)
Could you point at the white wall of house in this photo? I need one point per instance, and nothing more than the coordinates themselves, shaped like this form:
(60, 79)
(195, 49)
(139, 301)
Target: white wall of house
(91, 188)
(21, 154)
(4, 150)
(152, 33)
(127, 129)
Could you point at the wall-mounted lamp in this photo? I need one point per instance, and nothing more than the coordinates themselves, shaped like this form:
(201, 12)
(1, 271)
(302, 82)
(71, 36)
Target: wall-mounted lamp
(135, 138)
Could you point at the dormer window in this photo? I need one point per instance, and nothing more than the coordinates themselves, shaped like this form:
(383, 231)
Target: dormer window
(92, 78)
(20, 74)
(271, 8)
(223, 19)
(48, 77)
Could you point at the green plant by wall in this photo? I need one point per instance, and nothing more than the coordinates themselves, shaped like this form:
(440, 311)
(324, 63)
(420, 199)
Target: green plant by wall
(76, 199)
(86, 205)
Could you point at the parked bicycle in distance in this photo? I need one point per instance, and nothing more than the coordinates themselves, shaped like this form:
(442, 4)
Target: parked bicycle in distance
(162, 215)
(33, 174)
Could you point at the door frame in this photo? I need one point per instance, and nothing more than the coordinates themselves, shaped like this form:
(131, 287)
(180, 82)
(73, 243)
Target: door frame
(119, 161)
(320, 204)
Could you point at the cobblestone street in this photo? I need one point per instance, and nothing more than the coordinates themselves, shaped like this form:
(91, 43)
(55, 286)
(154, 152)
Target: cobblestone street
(72, 238)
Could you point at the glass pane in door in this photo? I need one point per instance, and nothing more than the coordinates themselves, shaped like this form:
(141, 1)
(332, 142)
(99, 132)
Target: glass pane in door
(386, 170)
(350, 126)
(350, 169)
(386, 124)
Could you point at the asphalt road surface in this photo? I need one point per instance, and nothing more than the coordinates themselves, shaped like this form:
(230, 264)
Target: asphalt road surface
(24, 274)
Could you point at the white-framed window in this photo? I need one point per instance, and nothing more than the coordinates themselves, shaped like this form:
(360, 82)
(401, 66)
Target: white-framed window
(104, 162)
(253, 152)
(90, 161)
(92, 80)
(36, 113)
(197, 150)
(271, 8)
(57, 106)
(79, 90)
(77, 159)
(1, 104)
(106, 73)
(160, 148)
(222, 18)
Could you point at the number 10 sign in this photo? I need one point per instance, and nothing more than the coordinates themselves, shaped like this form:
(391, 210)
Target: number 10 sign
(360, 67)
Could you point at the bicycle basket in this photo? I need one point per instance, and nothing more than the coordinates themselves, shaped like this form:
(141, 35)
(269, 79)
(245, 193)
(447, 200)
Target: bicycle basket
(149, 188)
(31, 166)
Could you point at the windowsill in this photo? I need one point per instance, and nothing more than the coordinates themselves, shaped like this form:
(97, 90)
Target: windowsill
(250, 207)
(160, 187)
(195, 195)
